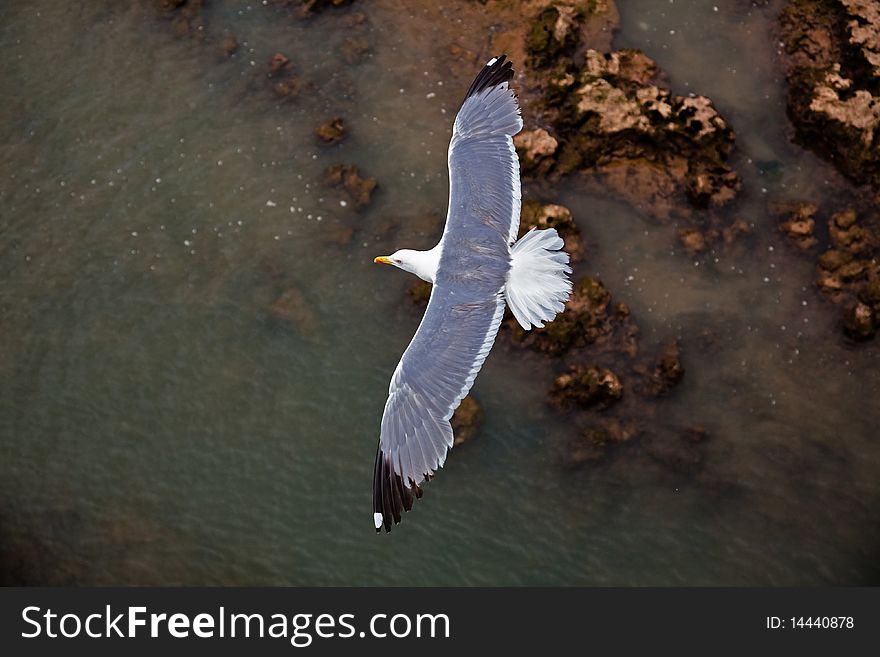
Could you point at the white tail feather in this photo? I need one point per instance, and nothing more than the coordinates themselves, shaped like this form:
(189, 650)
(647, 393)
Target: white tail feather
(538, 285)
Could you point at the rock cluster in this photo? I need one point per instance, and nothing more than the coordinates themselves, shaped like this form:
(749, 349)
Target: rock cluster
(348, 177)
(832, 59)
(846, 247)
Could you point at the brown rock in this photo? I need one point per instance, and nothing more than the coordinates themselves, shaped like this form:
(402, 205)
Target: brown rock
(279, 62)
(738, 228)
(289, 87)
(798, 224)
(589, 319)
(831, 60)
(550, 215)
(420, 292)
(834, 259)
(859, 321)
(292, 309)
(586, 387)
(536, 149)
(466, 420)
(846, 234)
(230, 45)
(347, 176)
(869, 293)
(331, 131)
(652, 146)
(692, 240)
(354, 49)
(595, 441)
(310, 7)
(664, 373)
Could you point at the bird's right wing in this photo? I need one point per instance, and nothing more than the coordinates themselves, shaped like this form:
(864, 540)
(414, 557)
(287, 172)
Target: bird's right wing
(484, 183)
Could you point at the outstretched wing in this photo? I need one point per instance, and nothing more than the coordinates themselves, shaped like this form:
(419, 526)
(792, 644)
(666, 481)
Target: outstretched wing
(464, 313)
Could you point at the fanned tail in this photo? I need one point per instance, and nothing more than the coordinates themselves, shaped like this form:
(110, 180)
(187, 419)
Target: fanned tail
(538, 285)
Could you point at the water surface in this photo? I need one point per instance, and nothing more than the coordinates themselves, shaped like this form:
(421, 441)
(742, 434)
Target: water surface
(158, 425)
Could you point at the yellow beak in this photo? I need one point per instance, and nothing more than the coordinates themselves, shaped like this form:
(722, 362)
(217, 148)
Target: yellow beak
(383, 260)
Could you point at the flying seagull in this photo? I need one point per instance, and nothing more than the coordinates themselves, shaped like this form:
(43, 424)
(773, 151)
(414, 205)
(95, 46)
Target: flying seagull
(477, 267)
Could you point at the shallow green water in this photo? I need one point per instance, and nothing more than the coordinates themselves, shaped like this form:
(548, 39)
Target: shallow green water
(157, 425)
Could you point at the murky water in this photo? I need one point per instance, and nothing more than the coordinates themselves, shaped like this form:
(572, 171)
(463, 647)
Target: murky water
(158, 425)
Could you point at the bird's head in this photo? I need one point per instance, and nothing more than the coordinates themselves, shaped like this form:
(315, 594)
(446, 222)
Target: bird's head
(421, 263)
(402, 259)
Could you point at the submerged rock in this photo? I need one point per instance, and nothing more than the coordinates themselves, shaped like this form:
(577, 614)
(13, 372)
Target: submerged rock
(229, 45)
(589, 318)
(859, 321)
(466, 420)
(420, 292)
(664, 373)
(553, 32)
(693, 240)
(798, 224)
(355, 48)
(536, 149)
(831, 57)
(285, 82)
(675, 452)
(293, 310)
(611, 117)
(845, 233)
(186, 16)
(331, 131)
(594, 442)
(848, 271)
(550, 215)
(310, 7)
(348, 177)
(586, 387)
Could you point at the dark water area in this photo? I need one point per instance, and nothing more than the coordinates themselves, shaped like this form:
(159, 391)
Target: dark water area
(158, 425)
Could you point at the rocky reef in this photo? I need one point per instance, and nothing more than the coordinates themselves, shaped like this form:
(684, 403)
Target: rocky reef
(550, 215)
(846, 247)
(606, 385)
(331, 131)
(608, 113)
(347, 177)
(832, 59)
(466, 420)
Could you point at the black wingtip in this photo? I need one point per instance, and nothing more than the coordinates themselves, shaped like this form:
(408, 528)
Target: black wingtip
(392, 497)
(496, 71)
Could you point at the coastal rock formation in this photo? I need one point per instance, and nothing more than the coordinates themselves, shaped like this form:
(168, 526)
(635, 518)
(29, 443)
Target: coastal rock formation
(586, 387)
(832, 50)
(536, 149)
(331, 131)
(185, 16)
(550, 215)
(293, 310)
(798, 224)
(307, 8)
(348, 177)
(651, 146)
(847, 250)
(285, 82)
(664, 372)
(589, 319)
(466, 420)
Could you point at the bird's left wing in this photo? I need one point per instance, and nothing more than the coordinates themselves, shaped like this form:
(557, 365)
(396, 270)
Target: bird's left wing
(435, 373)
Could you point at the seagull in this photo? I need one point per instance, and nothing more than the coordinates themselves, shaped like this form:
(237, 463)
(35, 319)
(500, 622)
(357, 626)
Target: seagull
(477, 268)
